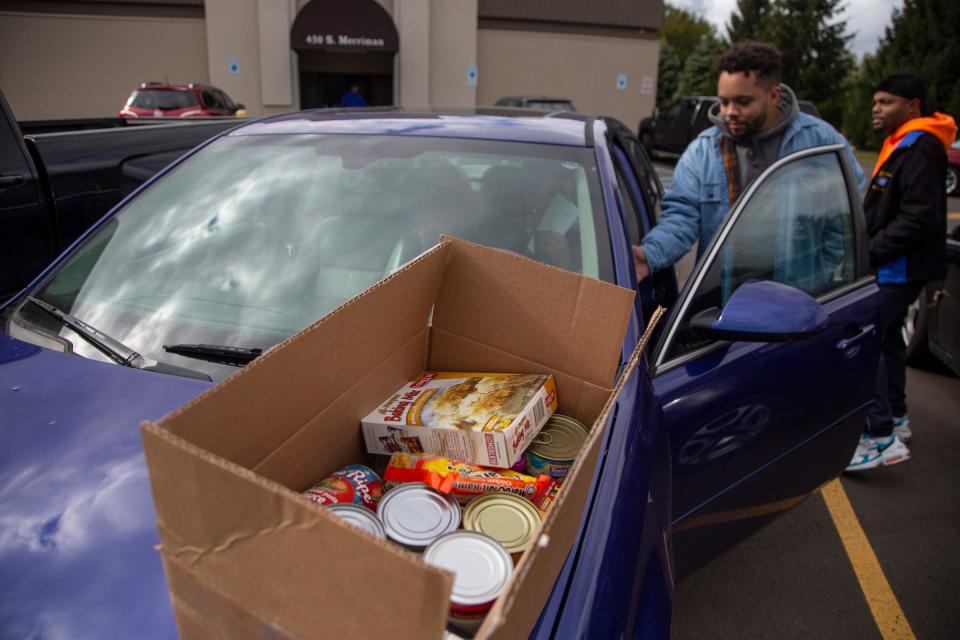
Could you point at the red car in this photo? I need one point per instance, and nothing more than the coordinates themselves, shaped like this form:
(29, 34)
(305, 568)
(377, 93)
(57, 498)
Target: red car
(953, 169)
(194, 100)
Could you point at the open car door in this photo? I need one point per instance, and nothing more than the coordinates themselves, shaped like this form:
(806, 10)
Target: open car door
(765, 366)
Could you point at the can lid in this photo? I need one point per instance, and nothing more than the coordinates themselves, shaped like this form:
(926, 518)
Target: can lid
(360, 517)
(480, 564)
(560, 439)
(415, 515)
(511, 520)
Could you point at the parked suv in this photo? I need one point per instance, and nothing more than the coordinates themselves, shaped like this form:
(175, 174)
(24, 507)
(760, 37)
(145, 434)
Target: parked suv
(546, 103)
(192, 100)
(672, 130)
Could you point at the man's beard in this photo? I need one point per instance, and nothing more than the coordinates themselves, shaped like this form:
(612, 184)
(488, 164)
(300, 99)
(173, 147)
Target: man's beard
(750, 127)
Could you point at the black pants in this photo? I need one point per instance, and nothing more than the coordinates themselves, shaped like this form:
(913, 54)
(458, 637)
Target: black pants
(889, 395)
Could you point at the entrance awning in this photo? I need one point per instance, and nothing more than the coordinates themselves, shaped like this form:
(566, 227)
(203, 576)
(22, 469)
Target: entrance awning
(345, 26)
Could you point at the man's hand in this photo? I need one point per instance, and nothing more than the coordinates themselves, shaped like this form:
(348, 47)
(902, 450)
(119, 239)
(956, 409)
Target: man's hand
(640, 263)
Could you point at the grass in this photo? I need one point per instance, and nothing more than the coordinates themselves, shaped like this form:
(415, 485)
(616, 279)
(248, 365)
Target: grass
(867, 159)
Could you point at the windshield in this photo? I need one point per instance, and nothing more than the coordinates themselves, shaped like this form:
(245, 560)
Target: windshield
(162, 99)
(255, 237)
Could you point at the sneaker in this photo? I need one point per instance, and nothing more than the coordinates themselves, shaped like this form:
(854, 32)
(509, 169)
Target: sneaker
(901, 427)
(875, 452)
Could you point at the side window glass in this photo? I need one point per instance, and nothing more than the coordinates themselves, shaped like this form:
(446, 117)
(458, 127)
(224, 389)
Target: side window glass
(208, 100)
(626, 195)
(796, 228)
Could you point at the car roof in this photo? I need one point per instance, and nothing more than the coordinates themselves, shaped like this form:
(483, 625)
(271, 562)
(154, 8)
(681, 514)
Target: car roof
(168, 86)
(482, 123)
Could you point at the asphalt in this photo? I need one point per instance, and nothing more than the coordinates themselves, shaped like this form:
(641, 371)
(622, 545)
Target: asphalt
(793, 579)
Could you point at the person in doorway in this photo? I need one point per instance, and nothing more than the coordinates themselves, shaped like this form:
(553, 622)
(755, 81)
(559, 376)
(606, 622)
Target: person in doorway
(906, 212)
(757, 122)
(353, 97)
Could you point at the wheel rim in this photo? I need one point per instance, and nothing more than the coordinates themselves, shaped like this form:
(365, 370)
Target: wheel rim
(909, 328)
(952, 180)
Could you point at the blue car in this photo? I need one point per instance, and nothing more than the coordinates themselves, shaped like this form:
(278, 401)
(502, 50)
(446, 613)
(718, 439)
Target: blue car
(751, 395)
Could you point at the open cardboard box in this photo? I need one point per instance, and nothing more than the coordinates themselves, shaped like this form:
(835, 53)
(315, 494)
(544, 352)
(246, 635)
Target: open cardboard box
(246, 556)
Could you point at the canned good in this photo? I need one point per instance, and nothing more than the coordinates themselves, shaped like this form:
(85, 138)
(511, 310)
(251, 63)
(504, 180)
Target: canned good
(509, 519)
(359, 517)
(414, 515)
(555, 448)
(481, 568)
(354, 484)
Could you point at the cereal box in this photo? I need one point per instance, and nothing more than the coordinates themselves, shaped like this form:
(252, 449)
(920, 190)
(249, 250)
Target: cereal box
(484, 418)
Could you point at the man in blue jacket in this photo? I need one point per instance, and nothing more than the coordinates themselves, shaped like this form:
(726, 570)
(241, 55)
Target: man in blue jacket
(757, 122)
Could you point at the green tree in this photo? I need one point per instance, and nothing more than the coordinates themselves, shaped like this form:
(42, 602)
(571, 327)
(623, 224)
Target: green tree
(748, 21)
(698, 76)
(668, 74)
(683, 30)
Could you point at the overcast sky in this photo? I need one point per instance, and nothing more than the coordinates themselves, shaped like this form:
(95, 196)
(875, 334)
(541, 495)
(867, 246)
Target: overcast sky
(866, 19)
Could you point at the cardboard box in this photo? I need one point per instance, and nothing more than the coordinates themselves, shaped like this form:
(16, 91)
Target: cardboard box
(483, 418)
(246, 556)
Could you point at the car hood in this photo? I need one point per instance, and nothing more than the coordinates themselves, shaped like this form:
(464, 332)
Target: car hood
(77, 525)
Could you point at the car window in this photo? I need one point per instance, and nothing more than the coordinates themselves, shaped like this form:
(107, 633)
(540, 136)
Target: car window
(224, 100)
(209, 100)
(796, 227)
(163, 99)
(254, 237)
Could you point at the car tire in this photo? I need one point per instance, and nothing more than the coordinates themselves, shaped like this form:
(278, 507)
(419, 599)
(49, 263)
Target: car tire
(953, 180)
(915, 331)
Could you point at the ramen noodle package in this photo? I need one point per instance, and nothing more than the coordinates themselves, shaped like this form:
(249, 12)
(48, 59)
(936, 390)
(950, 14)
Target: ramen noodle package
(484, 418)
(463, 479)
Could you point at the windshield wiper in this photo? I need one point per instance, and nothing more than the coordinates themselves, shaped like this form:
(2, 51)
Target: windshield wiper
(236, 356)
(111, 347)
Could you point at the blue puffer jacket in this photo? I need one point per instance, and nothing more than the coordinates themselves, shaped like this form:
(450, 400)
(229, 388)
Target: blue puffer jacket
(697, 202)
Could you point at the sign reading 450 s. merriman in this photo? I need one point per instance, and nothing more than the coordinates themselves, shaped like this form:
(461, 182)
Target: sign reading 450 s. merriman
(330, 40)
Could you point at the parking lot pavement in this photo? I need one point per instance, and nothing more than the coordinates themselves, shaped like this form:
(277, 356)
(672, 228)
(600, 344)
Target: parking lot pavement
(795, 579)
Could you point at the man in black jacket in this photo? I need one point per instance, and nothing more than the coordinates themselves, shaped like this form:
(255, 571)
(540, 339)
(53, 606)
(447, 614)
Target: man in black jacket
(906, 211)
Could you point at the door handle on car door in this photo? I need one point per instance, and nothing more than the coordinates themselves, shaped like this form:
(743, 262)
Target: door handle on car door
(851, 346)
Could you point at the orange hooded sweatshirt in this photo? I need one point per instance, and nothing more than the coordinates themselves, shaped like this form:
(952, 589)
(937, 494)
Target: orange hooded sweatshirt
(939, 124)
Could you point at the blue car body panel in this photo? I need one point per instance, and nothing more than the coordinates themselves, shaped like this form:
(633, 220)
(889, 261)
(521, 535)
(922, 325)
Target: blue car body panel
(77, 530)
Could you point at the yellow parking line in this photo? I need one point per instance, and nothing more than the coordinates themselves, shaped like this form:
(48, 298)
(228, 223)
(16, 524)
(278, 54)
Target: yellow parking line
(884, 606)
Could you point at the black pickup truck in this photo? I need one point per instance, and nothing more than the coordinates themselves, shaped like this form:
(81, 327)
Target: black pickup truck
(671, 130)
(59, 177)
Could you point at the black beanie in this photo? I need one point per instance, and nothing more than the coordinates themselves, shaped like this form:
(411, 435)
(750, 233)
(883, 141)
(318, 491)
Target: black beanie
(905, 85)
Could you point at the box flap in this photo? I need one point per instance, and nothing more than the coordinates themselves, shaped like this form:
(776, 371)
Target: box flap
(250, 543)
(561, 320)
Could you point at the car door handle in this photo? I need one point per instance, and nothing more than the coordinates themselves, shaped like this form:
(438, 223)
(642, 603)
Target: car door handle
(10, 181)
(851, 346)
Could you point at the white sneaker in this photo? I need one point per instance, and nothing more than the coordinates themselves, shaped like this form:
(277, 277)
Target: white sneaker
(901, 427)
(875, 452)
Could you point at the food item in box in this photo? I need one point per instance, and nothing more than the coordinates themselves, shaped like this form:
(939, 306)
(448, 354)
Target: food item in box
(555, 448)
(481, 568)
(359, 517)
(483, 418)
(463, 479)
(354, 484)
(414, 515)
(508, 519)
(551, 496)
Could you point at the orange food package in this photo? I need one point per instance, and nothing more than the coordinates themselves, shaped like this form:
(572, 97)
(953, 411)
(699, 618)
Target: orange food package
(465, 480)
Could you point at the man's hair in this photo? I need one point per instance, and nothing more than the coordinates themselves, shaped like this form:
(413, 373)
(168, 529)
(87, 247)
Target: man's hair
(905, 85)
(760, 58)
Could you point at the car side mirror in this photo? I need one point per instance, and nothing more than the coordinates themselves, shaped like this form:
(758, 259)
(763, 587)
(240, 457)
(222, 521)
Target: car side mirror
(763, 311)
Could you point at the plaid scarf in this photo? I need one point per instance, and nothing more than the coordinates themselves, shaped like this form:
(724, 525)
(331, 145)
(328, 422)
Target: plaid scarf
(730, 165)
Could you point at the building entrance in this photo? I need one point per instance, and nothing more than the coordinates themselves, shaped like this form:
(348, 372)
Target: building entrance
(340, 43)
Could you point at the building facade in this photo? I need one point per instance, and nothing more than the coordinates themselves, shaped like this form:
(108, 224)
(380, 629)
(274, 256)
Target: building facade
(82, 59)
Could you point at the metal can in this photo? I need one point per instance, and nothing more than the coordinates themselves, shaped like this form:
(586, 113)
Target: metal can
(481, 568)
(354, 484)
(360, 518)
(555, 448)
(509, 519)
(414, 515)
